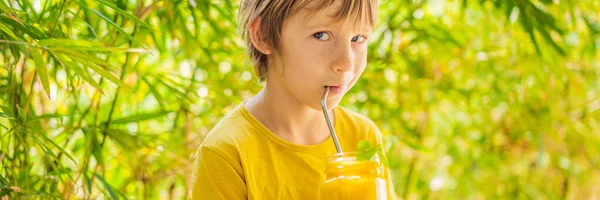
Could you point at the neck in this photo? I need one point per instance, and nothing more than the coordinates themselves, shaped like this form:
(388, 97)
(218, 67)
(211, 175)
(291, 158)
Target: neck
(289, 118)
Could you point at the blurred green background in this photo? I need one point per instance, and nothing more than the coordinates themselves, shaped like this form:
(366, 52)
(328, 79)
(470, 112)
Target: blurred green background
(477, 99)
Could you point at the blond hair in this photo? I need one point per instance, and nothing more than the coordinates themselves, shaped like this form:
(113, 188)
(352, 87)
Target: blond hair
(272, 14)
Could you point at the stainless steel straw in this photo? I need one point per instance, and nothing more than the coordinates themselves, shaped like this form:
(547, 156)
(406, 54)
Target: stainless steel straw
(331, 130)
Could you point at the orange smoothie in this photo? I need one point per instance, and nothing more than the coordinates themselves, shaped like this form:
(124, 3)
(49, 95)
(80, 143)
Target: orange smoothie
(348, 178)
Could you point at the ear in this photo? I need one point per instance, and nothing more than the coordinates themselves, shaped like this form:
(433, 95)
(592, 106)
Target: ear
(257, 38)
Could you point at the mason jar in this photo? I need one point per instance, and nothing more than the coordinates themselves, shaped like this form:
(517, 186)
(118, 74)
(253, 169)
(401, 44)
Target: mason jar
(350, 178)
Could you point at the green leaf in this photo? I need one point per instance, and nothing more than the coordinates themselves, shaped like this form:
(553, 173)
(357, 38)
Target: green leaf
(8, 111)
(125, 13)
(114, 25)
(549, 39)
(4, 191)
(84, 45)
(41, 69)
(3, 181)
(6, 116)
(21, 115)
(9, 12)
(155, 93)
(125, 139)
(414, 146)
(19, 27)
(58, 147)
(4, 8)
(45, 116)
(80, 57)
(177, 92)
(365, 150)
(83, 74)
(88, 182)
(64, 42)
(49, 152)
(112, 49)
(83, 58)
(363, 145)
(110, 77)
(140, 117)
(92, 145)
(106, 186)
(7, 30)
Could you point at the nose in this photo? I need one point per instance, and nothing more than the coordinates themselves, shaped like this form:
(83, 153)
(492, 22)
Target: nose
(343, 59)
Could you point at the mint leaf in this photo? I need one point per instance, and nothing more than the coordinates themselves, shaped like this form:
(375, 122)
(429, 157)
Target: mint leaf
(363, 145)
(366, 151)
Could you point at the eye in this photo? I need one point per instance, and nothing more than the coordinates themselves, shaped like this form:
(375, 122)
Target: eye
(322, 36)
(359, 39)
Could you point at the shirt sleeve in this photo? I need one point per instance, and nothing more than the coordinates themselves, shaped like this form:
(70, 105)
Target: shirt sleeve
(375, 134)
(215, 177)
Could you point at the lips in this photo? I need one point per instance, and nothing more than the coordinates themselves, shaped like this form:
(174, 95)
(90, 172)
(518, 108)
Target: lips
(337, 89)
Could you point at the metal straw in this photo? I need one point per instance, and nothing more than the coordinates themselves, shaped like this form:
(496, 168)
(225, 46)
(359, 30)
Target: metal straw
(331, 130)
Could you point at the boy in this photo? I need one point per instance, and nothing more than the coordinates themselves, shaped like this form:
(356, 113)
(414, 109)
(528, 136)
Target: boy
(275, 145)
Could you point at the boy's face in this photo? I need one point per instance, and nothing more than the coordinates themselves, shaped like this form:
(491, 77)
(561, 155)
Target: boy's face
(316, 50)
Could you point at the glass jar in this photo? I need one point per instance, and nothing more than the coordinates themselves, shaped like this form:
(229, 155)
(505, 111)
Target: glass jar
(350, 178)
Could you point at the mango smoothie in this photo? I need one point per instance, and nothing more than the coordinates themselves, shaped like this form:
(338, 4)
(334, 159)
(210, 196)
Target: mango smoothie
(349, 178)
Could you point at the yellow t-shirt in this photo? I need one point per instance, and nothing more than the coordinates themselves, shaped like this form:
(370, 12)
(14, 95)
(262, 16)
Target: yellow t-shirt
(241, 159)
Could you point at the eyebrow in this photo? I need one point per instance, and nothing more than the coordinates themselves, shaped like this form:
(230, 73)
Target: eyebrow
(329, 19)
(325, 23)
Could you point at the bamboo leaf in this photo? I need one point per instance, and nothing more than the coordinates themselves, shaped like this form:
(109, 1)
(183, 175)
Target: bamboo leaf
(415, 146)
(125, 13)
(83, 74)
(83, 58)
(64, 42)
(41, 69)
(528, 26)
(7, 30)
(92, 145)
(4, 191)
(88, 182)
(110, 77)
(161, 101)
(95, 67)
(106, 186)
(34, 33)
(175, 90)
(8, 111)
(549, 39)
(140, 117)
(45, 116)
(101, 49)
(53, 156)
(21, 115)
(3, 181)
(114, 25)
(58, 147)
(6, 116)
(4, 8)
(112, 49)
(125, 139)
(9, 12)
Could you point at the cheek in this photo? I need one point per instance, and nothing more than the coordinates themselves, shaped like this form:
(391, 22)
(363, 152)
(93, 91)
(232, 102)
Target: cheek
(361, 61)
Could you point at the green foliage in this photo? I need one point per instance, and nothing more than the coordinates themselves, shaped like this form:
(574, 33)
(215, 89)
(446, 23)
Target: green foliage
(366, 151)
(477, 99)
